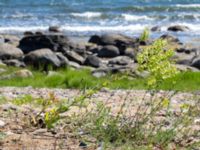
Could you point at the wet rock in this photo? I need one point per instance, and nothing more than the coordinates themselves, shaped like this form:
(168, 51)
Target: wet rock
(109, 51)
(118, 40)
(28, 33)
(42, 58)
(92, 61)
(14, 62)
(73, 56)
(8, 51)
(177, 28)
(95, 39)
(156, 29)
(54, 29)
(53, 42)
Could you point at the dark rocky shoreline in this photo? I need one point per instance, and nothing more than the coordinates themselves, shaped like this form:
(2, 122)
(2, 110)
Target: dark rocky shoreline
(108, 53)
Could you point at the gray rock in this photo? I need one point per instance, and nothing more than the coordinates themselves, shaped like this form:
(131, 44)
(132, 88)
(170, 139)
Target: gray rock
(121, 60)
(28, 33)
(95, 39)
(63, 60)
(54, 42)
(12, 39)
(99, 73)
(92, 61)
(8, 51)
(156, 29)
(14, 62)
(196, 62)
(177, 28)
(130, 52)
(109, 51)
(183, 58)
(74, 65)
(42, 58)
(118, 40)
(184, 68)
(73, 56)
(95, 49)
(170, 38)
(54, 29)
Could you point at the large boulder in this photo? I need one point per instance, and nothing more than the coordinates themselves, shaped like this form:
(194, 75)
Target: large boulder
(109, 51)
(12, 39)
(53, 42)
(177, 28)
(183, 58)
(73, 56)
(118, 40)
(42, 58)
(8, 51)
(92, 61)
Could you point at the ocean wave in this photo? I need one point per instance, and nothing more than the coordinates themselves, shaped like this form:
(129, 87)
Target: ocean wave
(133, 28)
(22, 29)
(72, 28)
(87, 14)
(130, 17)
(188, 5)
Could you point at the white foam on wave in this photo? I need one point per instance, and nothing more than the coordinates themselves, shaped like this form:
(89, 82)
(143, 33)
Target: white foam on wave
(188, 5)
(77, 28)
(22, 29)
(130, 17)
(135, 27)
(87, 14)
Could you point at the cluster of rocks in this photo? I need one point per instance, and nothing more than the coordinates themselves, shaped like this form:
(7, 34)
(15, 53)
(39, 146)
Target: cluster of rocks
(108, 53)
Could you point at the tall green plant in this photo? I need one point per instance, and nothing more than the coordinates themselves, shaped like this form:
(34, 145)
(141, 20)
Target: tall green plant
(145, 35)
(157, 62)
